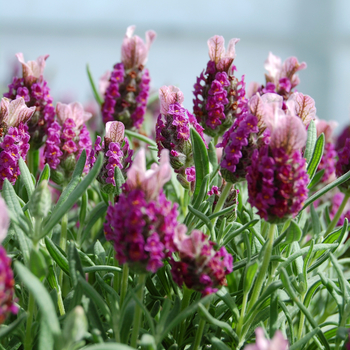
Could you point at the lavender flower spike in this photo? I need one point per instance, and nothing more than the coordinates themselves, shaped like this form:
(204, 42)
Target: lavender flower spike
(126, 88)
(277, 177)
(220, 98)
(277, 343)
(173, 133)
(117, 153)
(200, 267)
(66, 140)
(6, 275)
(13, 137)
(142, 223)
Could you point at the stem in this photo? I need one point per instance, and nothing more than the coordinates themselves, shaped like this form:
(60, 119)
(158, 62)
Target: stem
(301, 320)
(111, 198)
(241, 319)
(28, 336)
(33, 161)
(184, 303)
(199, 333)
(225, 192)
(124, 286)
(338, 214)
(138, 311)
(262, 272)
(63, 240)
(60, 302)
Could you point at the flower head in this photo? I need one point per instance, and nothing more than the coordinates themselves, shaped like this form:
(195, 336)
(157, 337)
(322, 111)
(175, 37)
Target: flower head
(74, 111)
(277, 343)
(200, 266)
(32, 70)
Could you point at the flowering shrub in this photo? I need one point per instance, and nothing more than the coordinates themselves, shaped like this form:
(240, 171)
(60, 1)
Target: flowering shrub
(158, 244)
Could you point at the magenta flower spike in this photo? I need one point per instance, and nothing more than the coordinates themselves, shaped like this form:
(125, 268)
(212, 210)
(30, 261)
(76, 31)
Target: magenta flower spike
(329, 157)
(173, 133)
(126, 88)
(6, 274)
(142, 223)
(67, 137)
(219, 95)
(117, 153)
(277, 177)
(200, 266)
(278, 342)
(281, 77)
(35, 92)
(14, 137)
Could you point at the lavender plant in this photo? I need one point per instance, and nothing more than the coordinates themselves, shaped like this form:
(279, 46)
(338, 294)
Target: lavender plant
(122, 242)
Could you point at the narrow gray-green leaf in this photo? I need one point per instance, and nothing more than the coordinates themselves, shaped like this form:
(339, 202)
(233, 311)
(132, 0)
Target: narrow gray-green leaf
(6, 330)
(311, 141)
(316, 157)
(26, 177)
(97, 96)
(140, 137)
(45, 174)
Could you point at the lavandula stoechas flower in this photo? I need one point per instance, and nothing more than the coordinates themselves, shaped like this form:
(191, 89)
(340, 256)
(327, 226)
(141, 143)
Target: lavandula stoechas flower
(277, 177)
(14, 137)
(219, 99)
(117, 153)
(261, 343)
(6, 274)
(281, 78)
(200, 266)
(126, 88)
(66, 140)
(328, 160)
(173, 133)
(141, 224)
(36, 93)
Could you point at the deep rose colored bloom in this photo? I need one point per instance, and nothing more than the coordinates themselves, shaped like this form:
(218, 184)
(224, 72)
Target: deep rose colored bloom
(277, 177)
(173, 133)
(117, 153)
(66, 140)
(142, 223)
(200, 267)
(219, 95)
(34, 90)
(13, 137)
(277, 343)
(126, 88)
(6, 275)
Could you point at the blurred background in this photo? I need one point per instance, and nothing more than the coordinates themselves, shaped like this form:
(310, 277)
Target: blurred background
(77, 32)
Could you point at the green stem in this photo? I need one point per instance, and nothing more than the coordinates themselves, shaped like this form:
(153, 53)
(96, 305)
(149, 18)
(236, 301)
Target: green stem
(225, 192)
(241, 319)
(138, 311)
(33, 161)
(63, 240)
(111, 198)
(60, 302)
(199, 333)
(184, 303)
(338, 214)
(263, 269)
(301, 320)
(124, 286)
(28, 336)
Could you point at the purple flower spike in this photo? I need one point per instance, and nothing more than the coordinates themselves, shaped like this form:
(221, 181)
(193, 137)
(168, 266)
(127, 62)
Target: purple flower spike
(200, 266)
(173, 133)
(34, 90)
(276, 343)
(6, 274)
(142, 223)
(219, 95)
(66, 140)
(14, 137)
(126, 88)
(277, 177)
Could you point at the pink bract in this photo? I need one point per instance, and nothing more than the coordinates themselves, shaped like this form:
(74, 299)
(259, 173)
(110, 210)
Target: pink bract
(13, 112)
(32, 70)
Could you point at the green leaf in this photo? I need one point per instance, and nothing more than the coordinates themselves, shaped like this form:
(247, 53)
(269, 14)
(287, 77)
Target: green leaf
(316, 225)
(140, 137)
(75, 326)
(78, 171)
(201, 216)
(326, 189)
(26, 177)
(316, 156)
(202, 192)
(57, 214)
(41, 296)
(316, 179)
(6, 330)
(250, 276)
(46, 340)
(74, 262)
(57, 255)
(311, 141)
(108, 346)
(97, 96)
(148, 342)
(45, 174)
(235, 233)
(218, 344)
(38, 265)
(200, 157)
